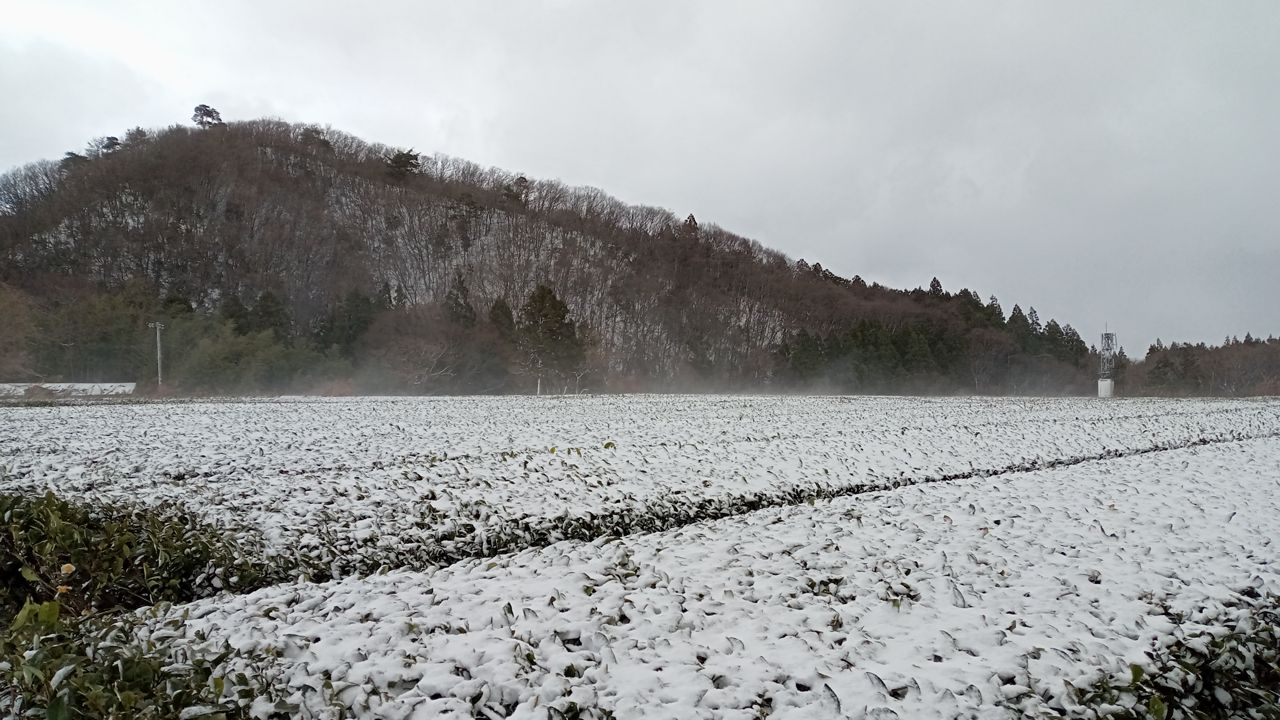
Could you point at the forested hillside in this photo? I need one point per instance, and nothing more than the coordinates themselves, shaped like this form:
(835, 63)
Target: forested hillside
(294, 257)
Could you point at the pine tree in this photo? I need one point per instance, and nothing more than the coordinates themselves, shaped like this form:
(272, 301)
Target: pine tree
(689, 230)
(1020, 328)
(935, 288)
(104, 146)
(206, 117)
(1191, 377)
(995, 311)
(517, 192)
(269, 313)
(1018, 323)
(1162, 373)
(233, 311)
(918, 358)
(403, 163)
(346, 322)
(549, 338)
(502, 319)
(457, 302)
(806, 355)
(1055, 340)
(1074, 346)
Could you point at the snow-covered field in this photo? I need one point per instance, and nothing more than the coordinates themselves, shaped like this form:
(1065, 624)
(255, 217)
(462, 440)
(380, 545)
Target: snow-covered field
(814, 557)
(346, 486)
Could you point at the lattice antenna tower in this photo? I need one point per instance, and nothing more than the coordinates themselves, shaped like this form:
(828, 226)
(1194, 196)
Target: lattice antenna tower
(1107, 367)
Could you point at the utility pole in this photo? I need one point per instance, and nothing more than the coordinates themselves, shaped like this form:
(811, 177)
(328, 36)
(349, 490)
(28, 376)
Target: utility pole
(159, 372)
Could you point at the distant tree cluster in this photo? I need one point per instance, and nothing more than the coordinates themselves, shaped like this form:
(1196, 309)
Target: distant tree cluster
(962, 344)
(1236, 368)
(296, 256)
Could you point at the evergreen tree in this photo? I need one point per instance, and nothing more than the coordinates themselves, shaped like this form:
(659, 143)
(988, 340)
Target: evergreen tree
(346, 322)
(502, 319)
(549, 338)
(313, 137)
(104, 146)
(175, 304)
(72, 160)
(403, 163)
(1191, 377)
(884, 359)
(233, 311)
(918, 358)
(269, 313)
(517, 192)
(689, 230)
(806, 355)
(995, 312)
(1055, 340)
(1033, 319)
(1074, 346)
(457, 302)
(935, 288)
(1162, 374)
(206, 117)
(1019, 326)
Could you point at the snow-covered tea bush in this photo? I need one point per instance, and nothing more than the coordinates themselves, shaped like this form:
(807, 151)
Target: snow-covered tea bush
(68, 574)
(112, 556)
(1232, 671)
(59, 666)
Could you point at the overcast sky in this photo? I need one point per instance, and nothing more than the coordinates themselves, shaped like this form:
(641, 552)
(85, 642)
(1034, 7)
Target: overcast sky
(1105, 162)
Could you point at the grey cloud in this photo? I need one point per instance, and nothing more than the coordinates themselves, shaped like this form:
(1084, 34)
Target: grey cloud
(1105, 163)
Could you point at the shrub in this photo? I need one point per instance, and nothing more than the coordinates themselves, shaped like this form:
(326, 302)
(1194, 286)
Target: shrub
(67, 571)
(96, 558)
(57, 666)
(1202, 675)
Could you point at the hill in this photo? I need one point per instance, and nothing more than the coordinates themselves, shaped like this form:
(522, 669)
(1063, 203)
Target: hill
(283, 256)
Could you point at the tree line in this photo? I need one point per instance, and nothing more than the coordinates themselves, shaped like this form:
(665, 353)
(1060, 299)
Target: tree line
(1235, 368)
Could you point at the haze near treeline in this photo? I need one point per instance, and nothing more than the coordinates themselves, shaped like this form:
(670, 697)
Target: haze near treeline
(1107, 165)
